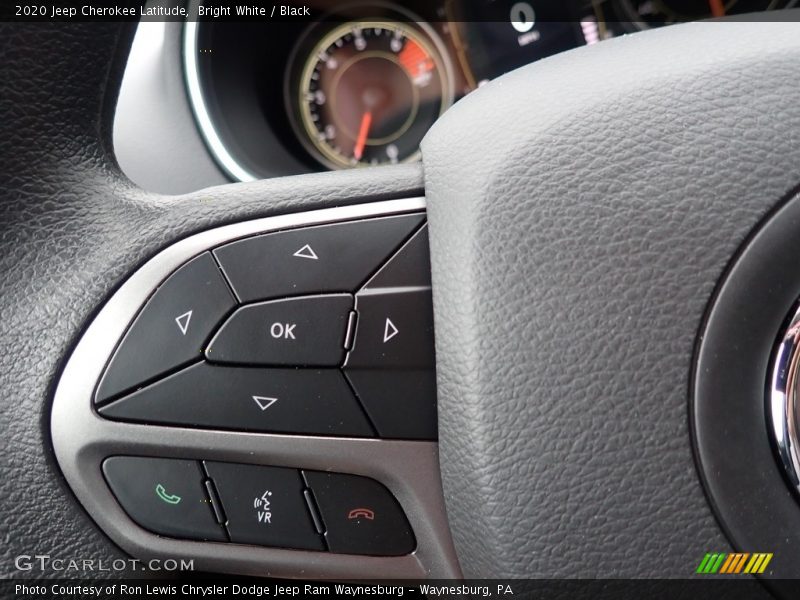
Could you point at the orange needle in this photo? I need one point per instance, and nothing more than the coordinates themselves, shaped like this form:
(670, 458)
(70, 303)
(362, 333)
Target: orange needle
(717, 8)
(366, 121)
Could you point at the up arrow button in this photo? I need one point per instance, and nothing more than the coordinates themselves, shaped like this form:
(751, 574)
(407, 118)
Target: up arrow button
(325, 259)
(306, 252)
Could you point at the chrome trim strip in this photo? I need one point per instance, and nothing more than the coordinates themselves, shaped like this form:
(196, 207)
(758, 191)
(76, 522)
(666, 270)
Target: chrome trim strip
(200, 108)
(82, 439)
(782, 400)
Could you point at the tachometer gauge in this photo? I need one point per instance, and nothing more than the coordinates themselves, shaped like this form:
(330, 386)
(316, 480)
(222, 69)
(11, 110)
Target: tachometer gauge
(368, 92)
(653, 13)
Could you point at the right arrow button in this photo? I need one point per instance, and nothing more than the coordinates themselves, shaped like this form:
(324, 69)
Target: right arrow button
(389, 331)
(395, 330)
(391, 366)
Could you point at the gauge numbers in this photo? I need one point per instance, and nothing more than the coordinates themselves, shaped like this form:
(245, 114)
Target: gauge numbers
(369, 92)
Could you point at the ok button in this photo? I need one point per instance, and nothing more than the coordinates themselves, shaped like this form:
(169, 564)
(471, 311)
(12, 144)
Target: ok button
(279, 330)
(301, 332)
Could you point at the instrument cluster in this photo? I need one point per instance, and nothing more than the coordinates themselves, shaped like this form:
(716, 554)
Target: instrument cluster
(364, 83)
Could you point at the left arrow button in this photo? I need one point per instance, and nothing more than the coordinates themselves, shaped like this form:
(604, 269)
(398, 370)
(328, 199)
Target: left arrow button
(195, 298)
(183, 321)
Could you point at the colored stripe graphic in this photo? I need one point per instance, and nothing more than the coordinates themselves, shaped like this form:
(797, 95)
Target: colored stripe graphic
(741, 562)
(711, 562)
(732, 558)
(734, 563)
(702, 567)
(758, 564)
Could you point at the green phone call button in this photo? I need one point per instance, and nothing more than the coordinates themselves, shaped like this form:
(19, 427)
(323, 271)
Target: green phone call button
(164, 495)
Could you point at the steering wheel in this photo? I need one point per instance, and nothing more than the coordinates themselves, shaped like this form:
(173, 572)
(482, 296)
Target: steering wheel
(613, 245)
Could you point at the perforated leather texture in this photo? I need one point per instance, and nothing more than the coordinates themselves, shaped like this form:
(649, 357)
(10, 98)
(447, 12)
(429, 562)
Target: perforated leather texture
(582, 211)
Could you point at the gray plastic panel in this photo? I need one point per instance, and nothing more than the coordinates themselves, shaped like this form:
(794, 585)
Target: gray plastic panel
(82, 439)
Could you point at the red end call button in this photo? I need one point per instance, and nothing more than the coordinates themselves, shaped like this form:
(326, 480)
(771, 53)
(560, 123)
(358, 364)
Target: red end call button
(360, 515)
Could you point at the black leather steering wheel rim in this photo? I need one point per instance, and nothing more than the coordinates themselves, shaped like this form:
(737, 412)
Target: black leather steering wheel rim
(73, 229)
(582, 212)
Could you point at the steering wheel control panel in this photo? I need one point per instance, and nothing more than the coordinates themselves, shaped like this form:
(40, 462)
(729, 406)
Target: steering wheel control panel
(266, 506)
(261, 398)
(323, 330)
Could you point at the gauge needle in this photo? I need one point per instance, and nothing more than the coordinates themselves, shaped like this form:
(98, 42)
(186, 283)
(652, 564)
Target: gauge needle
(366, 121)
(717, 8)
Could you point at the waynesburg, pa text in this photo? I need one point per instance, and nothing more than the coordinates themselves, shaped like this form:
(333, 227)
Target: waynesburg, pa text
(254, 590)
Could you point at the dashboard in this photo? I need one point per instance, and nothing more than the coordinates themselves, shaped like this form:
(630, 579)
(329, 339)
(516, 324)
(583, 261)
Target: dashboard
(362, 83)
(612, 234)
